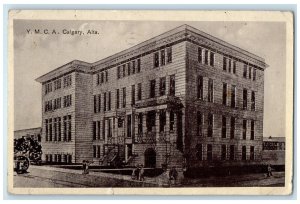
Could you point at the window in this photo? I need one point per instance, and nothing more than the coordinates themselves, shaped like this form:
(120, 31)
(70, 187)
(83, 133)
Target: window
(94, 151)
(172, 120)
(162, 57)
(224, 63)
(253, 101)
(104, 101)
(50, 129)
(169, 54)
(98, 130)
(245, 100)
(98, 151)
(99, 102)
(138, 65)
(172, 85)
(206, 57)
(244, 153)
(244, 129)
(48, 88)
(210, 125)
(98, 79)
(67, 100)
(133, 94)
(59, 129)
(199, 151)
(102, 77)
(232, 96)
(65, 128)
(223, 152)
(133, 67)
(124, 97)
(251, 152)
(118, 73)
(69, 128)
(109, 132)
(212, 59)
(254, 74)
(139, 91)
(200, 124)
(200, 87)
(224, 94)
(250, 72)
(109, 100)
(55, 129)
(223, 127)
(200, 54)
(231, 152)
(57, 84)
(94, 130)
(129, 126)
(103, 128)
(47, 133)
(118, 98)
(123, 67)
(245, 71)
(128, 68)
(67, 81)
(152, 88)
(162, 120)
(156, 59)
(95, 104)
(210, 90)
(162, 86)
(209, 152)
(140, 123)
(252, 130)
(150, 120)
(232, 127)
(234, 67)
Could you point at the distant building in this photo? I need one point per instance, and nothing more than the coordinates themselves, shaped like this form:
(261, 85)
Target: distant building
(274, 150)
(34, 133)
(181, 97)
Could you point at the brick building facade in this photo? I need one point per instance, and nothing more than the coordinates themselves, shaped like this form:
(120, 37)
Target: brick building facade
(181, 97)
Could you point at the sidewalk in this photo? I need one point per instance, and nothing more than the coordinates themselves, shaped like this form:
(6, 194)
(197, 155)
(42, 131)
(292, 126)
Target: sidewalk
(93, 179)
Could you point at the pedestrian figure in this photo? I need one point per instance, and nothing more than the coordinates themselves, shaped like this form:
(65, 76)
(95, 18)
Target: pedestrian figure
(173, 174)
(269, 171)
(137, 172)
(141, 172)
(87, 170)
(83, 167)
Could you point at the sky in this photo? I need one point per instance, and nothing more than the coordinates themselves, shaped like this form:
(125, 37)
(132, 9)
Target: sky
(35, 55)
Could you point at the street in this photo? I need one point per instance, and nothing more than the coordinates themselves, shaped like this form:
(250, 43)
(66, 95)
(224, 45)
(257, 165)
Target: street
(51, 177)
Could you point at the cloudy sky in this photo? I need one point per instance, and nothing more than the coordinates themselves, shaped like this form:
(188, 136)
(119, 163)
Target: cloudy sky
(35, 55)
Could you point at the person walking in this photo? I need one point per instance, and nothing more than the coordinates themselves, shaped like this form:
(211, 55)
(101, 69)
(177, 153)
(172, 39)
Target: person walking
(173, 174)
(83, 167)
(141, 174)
(269, 171)
(87, 170)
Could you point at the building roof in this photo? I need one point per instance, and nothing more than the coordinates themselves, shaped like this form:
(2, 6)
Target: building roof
(274, 139)
(28, 129)
(186, 32)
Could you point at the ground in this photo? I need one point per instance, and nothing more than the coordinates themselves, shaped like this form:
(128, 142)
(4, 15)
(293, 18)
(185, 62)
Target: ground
(46, 176)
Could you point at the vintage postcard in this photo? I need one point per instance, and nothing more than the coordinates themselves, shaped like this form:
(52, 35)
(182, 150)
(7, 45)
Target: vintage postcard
(150, 102)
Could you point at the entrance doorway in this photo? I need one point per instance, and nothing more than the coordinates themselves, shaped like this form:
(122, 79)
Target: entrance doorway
(150, 158)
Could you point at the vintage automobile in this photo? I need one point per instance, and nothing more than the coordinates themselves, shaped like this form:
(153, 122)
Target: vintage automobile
(21, 163)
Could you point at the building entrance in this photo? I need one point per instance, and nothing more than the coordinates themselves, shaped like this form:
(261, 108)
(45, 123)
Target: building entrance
(150, 158)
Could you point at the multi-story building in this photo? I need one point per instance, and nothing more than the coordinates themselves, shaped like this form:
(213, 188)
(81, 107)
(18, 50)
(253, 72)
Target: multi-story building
(34, 133)
(273, 150)
(183, 97)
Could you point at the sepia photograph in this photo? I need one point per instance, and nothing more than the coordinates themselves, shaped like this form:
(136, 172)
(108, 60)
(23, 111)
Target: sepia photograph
(174, 102)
